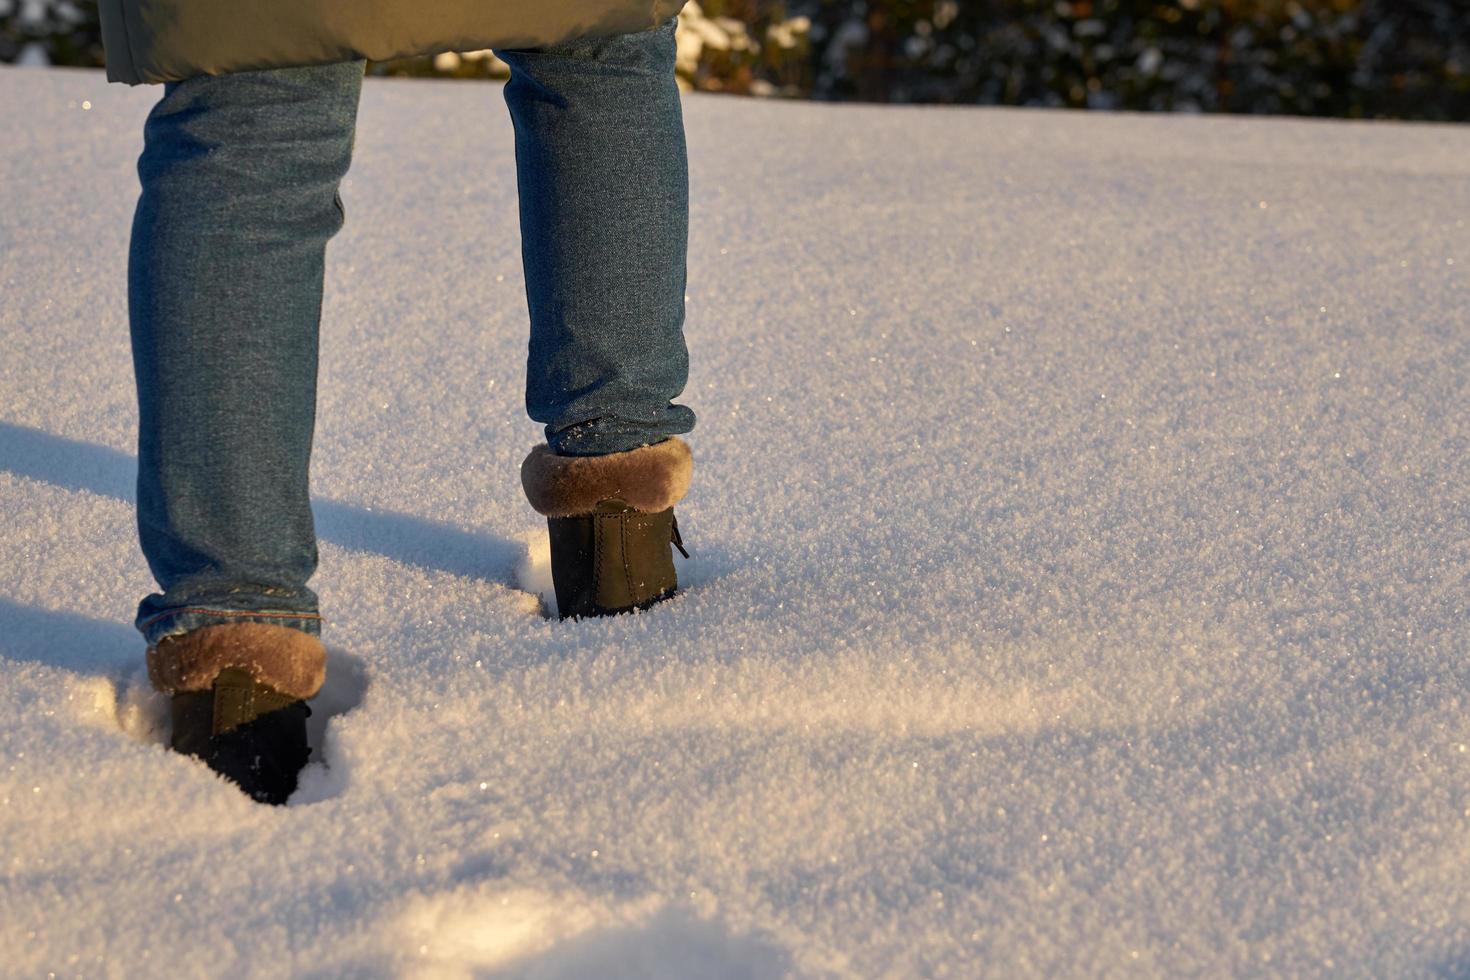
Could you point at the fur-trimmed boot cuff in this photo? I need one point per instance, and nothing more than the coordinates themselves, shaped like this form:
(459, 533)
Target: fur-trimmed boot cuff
(286, 660)
(648, 479)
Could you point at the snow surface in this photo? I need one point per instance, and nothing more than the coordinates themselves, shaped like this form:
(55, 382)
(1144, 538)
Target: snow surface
(1080, 540)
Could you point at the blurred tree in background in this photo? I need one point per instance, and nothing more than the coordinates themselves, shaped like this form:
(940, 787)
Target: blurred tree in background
(57, 32)
(1405, 59)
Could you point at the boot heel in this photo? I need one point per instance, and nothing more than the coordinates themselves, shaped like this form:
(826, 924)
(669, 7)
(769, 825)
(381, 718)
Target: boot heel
(613, 560)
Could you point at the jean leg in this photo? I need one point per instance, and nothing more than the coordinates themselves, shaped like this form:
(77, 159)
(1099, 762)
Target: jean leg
(239, 197)
(603, 178)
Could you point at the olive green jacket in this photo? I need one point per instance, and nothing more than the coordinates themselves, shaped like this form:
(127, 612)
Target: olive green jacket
(165, 40)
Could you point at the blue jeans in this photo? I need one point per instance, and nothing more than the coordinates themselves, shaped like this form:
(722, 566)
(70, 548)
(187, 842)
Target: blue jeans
(239, 197)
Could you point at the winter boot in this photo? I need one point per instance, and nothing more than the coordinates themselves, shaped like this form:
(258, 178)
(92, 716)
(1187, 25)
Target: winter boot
(611, 523)
(239, 705)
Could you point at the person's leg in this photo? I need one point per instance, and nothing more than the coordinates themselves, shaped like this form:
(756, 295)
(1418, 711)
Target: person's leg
(604, 201)
(239, 197)
(604, 194)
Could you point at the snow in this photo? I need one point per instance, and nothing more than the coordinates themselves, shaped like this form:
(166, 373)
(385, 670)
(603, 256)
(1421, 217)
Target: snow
(1079, 584)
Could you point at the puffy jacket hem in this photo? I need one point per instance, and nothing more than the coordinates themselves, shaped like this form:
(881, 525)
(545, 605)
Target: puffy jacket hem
(171, 40)
(116, 43)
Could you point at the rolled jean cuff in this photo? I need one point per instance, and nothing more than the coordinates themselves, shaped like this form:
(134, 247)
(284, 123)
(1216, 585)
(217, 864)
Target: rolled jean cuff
(159, 624)
(609, 434)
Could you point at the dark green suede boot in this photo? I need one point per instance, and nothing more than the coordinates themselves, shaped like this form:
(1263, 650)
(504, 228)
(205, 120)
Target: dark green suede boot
(613, 560)
(248, 733)
(611, 523)
(239, 695)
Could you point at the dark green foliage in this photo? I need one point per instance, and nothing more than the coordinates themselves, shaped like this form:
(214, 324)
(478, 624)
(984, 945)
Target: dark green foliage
(1399, 58)
(66, 31)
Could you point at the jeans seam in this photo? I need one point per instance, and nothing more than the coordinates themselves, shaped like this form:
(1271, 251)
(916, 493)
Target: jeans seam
(227, 613)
